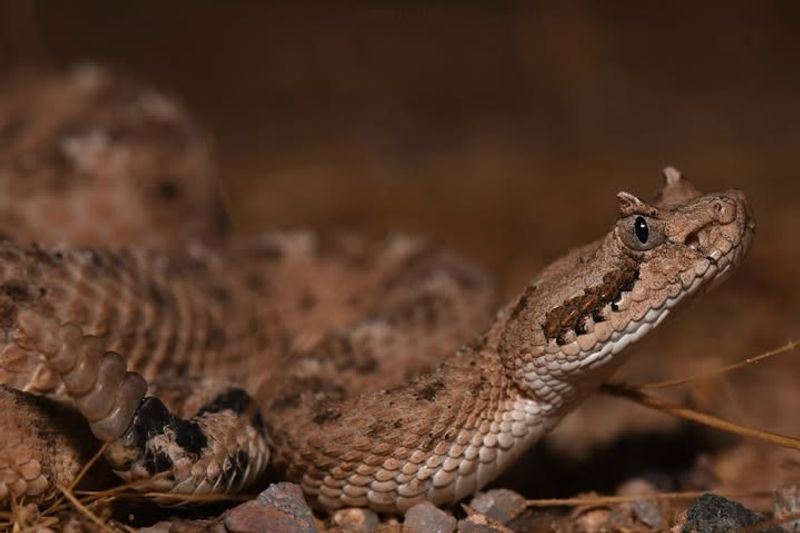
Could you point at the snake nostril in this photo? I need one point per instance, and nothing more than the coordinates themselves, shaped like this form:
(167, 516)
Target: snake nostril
(692, 241)
(724, 210)
(720, 209)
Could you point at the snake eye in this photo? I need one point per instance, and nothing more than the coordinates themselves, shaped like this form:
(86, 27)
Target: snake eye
(641, 230)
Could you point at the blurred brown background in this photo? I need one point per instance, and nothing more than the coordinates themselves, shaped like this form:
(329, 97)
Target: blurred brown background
(503, 132)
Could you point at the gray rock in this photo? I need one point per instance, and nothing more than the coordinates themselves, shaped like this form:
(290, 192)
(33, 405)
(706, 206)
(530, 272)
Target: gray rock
(281, 508)
(502, 505)
(427, 518)
(714, 514)
(356, 520)
(648, 513)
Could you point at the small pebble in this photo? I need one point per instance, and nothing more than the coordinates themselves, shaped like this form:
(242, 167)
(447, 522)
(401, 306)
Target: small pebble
(648, 513)
(356, 520)
(280, 508)
(502, 505)
(645, 511)
(427, 518)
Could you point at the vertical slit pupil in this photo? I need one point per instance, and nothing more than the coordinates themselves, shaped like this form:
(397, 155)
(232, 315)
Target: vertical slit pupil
(641, 230)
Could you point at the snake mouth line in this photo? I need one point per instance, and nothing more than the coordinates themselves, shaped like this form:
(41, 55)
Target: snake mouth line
(716, 270)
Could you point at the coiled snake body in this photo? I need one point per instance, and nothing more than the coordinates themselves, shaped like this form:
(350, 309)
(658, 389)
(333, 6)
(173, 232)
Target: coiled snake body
(197, 365)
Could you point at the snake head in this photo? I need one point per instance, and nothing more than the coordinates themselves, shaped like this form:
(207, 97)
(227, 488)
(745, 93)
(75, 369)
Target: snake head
(566, 331)
(682, 242)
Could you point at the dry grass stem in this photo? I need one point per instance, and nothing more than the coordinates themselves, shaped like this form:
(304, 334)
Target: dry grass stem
(83, 509)
(788, 347)
(636, 395)
(117, 492)
(58, 503)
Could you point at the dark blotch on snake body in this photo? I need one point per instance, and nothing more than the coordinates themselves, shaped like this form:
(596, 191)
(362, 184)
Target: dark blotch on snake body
(158, 462)
(189, 436)
(236, 400)
(152, 418)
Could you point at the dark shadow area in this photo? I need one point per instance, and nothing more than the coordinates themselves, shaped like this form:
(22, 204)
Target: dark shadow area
(664, 459)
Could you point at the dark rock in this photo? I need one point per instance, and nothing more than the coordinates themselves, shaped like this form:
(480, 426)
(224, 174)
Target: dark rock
(281, 508)
(714, 514)
(427, 518)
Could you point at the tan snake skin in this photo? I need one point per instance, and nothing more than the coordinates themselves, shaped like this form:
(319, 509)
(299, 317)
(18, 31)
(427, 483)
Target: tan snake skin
(163, 352)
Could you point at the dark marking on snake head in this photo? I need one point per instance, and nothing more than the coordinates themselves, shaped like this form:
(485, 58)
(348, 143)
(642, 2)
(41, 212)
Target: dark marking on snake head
(598, 316)
(581, 327)
(569, 316)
